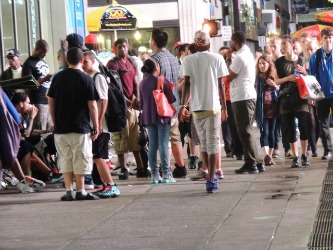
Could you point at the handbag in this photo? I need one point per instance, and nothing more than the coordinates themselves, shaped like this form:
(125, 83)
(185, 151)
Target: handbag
(164, 108)
(309, 88)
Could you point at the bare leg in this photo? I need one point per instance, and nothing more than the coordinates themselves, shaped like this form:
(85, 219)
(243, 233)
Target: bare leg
(79, 179)
(103, 170)
(177, 152)
(211, 166)
(68, 178)
(38, 163)
(17, 170)
(304, 145)
(26, 164)
(121, 159)
(138, 160)
(294, 149)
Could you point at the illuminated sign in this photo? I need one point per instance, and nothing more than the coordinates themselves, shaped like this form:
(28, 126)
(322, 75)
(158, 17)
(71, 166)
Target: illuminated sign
(118, 18)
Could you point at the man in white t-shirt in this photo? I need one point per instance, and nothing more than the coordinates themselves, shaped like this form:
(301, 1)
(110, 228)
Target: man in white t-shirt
(203, 84)
(14, 70)
(243, 101)
(100, 146)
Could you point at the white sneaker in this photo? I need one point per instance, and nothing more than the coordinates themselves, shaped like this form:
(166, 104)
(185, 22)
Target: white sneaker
(168, 178)
(29, 184)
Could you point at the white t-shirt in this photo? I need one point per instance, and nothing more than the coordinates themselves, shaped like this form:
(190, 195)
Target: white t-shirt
(204, 69)
(244, 65)
(17, 73)
(102, 89)
(138, 63)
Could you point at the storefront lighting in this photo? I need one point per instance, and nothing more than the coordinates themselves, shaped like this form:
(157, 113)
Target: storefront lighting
(206, 27)
(137, 35)
(100, 38)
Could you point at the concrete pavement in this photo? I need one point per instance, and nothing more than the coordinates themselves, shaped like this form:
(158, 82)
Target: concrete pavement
(272, 210)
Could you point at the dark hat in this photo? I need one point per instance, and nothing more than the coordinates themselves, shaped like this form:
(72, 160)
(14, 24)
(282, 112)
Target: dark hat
(74, 40)
(12, 52)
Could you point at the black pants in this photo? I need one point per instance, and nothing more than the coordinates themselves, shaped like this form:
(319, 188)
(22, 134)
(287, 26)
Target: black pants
(313, 128)
(323, 111)
(302, 125)
(237, 147)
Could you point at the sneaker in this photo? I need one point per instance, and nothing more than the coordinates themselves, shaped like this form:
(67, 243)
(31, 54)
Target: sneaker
(67, 197)
(193, 162)
(305, 160)
(179, 172)
(89, 184)
(275, 153)
(124, 174)
(296, 163)
(219, 174)
(260, 167)
(88, 196)
(110, 191)
(201, 174)
(239, 157)
(34, 183)
(99, 190)
(288, 155)
(143, 173)
(56, 178)
(168, 178)
(156, 178)
(229, 155)
(327, 156)
(116, 171)
(200, 163)
(212, 187)
(314, 155)
(24, 188)
(247, 169)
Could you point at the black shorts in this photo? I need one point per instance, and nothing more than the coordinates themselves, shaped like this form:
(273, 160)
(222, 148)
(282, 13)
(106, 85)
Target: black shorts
(100, 147)
(25, 148)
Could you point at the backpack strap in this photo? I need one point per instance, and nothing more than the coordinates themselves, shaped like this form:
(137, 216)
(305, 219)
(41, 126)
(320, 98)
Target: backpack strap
(160, 83)
(94, 77)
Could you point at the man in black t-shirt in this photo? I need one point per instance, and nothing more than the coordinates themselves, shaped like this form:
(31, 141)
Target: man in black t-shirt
(72, 102)
(38, 68)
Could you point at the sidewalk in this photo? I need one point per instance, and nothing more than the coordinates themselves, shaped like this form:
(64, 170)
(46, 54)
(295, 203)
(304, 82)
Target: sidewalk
(272, 210)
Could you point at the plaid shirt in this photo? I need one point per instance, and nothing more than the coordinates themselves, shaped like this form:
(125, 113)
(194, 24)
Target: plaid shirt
(169, 66)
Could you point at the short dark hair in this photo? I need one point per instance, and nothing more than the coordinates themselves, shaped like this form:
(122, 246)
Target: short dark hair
(74, 56)
(160, 37)
(239, 37)
(192, 48)
(90, 54)
(224, 47)
(19, 97)
(41, 44)
(289, 38)
(120, 41)
(133, 52)
(149, 66)
(326, 32)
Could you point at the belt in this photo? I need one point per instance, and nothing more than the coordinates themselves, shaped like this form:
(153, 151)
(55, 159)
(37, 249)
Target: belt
(203, 113)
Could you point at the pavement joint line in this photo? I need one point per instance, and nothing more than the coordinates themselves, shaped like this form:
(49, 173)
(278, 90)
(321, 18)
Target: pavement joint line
(77, 238)
(284, 211)
(230, 212)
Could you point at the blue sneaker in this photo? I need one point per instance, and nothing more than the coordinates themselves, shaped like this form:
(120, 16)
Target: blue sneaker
(168, 178)
(212, 187)
(109, 191)
(156, 178)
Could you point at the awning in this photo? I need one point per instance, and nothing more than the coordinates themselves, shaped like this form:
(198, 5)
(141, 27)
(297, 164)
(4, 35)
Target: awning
(325, 17)
(313, 30)
(116, 17)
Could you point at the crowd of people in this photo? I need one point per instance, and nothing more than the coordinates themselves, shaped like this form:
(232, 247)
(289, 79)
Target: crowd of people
(212, 93)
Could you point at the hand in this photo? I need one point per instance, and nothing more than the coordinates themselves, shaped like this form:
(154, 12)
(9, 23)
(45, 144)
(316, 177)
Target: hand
(270, 82)
(291, 78)
(301, 69)
(64, 44)
(47, 77)
(94, 133)
(136, 104)
(183, 115)
(32, 112)
(224, 115)
(311, 102)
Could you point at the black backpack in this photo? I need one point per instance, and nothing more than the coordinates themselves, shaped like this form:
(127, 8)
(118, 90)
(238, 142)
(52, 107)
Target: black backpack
(116, 114)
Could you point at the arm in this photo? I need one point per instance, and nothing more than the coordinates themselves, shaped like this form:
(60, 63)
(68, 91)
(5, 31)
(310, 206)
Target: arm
(222, 99)
(183, 112)
(136, 92)
(51, 108)
(101, 113)
(232, 75)
(92, 105)
(32, 112)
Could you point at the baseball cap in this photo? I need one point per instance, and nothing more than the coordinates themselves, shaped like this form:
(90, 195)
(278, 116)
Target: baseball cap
(201, 38)
(91, 39)
(176, 44)
(12, 52)
(74, 40)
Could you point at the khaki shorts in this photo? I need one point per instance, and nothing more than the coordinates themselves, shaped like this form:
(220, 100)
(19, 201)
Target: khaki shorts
(74, 153)
(209, 131)
(127, 139)
(174, 132)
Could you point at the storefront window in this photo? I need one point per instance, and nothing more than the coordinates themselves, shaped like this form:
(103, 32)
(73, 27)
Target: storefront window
(8, 25)
(248, 17)
(22, 32)
(34, 25)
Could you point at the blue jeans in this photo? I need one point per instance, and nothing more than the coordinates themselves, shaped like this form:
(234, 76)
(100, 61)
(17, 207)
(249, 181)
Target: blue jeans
(267, 132)
(158, 135)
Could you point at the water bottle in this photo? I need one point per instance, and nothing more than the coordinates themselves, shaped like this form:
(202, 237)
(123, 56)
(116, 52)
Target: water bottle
(297, 73)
